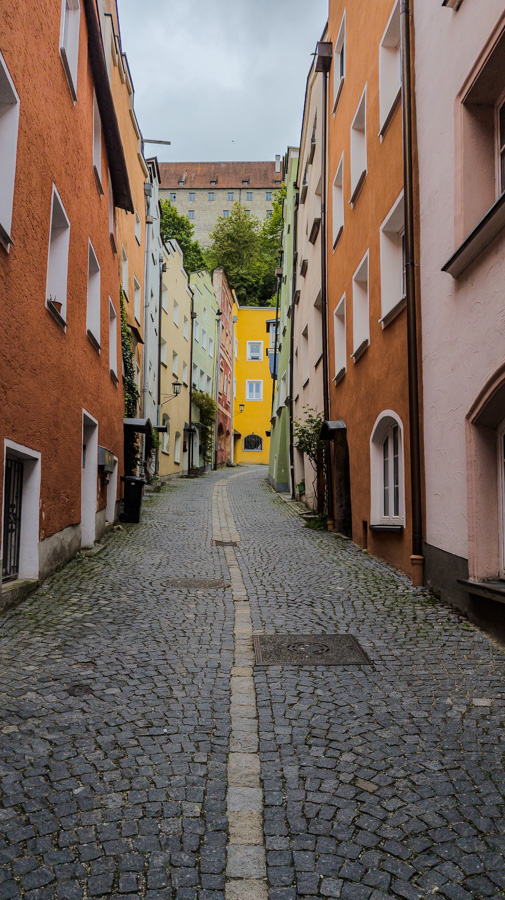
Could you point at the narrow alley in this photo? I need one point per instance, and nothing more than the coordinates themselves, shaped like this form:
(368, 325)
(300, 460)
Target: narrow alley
(144, 754)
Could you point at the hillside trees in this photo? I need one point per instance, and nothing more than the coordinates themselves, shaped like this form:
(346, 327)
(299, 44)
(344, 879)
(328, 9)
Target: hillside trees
(175, 226)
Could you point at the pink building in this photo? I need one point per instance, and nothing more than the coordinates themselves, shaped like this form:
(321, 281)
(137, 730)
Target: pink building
(460, 91)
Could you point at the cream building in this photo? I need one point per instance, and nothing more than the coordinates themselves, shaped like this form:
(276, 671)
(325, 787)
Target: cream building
(175, 359)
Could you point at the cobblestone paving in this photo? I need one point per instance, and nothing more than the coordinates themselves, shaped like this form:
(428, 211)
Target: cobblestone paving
(378, 782)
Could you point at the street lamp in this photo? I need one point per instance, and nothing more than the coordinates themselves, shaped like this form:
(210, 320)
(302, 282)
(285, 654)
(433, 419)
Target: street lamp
(241, 407)
(177, 388)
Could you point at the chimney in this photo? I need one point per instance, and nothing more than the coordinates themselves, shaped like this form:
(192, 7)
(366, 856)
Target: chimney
(277, 162)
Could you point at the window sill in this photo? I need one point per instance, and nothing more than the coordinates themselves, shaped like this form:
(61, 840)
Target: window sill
(68, 76)
(166, 452)
(340, 374)
(393, 312)
(56, 315)
(318, 360)
(138, 242)
(337, 95)
(305, 383)
(387, 528)
(98, 181)
(491, 590)
(5, 239)
(360, 350)
(357, 190)
(113, 242)
(93, 341)
(164, 364)
(339, 234)
(478, 239)
(114, 377)
(389, 118)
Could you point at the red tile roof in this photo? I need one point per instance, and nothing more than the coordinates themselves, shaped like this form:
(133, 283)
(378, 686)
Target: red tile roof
(225, 174)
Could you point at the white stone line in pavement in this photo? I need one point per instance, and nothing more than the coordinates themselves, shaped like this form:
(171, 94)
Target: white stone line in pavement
(246, 858)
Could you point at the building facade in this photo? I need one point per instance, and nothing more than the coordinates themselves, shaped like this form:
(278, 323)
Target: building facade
(61, 430)
(462, 264)
(205, 349)
(252, 385)
(224, 368)
(204, 191)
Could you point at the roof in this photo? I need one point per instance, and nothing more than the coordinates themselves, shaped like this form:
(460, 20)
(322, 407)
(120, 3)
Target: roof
(225, 174)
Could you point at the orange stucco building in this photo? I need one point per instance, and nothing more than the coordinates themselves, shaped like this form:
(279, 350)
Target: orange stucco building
(63, 173)
(367, 318)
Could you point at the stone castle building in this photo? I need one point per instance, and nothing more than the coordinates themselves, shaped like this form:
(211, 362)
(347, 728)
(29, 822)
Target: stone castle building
(203, 191)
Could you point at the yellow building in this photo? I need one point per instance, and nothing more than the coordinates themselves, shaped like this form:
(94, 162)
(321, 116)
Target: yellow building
(252, 385)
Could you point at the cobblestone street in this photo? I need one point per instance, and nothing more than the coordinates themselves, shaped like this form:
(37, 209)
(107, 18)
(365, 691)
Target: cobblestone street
(143, 754)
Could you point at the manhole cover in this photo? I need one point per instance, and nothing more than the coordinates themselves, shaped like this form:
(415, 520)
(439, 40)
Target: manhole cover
(213, 584)
(225, 543)
(308, 650)
(79, 690)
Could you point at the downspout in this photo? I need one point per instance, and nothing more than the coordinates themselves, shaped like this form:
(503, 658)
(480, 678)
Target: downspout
(291, 352)
(190, 413)
(278, 273)
(323, 64)
(417, 558)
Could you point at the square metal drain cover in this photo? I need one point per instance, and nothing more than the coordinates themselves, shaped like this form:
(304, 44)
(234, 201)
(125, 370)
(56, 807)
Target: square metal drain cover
(225, 543)
(309, 650)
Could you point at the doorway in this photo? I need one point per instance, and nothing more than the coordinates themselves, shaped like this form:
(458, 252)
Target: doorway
(89, 479)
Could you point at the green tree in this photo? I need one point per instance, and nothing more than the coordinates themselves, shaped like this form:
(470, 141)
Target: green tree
(175, 226)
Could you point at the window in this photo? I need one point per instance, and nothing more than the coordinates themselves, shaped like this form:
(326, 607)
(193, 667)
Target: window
(339, 338)
(392, 257)
(112, 340)
(185, 373)
(210, 195)
(176, 313)
(181, 182)
(185, 328)
(57, 260)
(338, 202)
(304, 355)
(235, 346)
(245, 182)
(253, 442)
(191, 214)
(211, 347)
(69, 42)
(204, 339)
(387, 472)
(194, 375)
(254, 390)
(318, 329)
(137, 300)
(175, 363)
(268, 195)
(164, 299)
(124, 272)
(196, 330)
(226, 213)
(163, 353)
(248, 195)
(165, 435)
(390, 71)
(9, 121)
(111, 214)
(203, 379)
(191, 196)
(254, 349)
(209, 384)
(204, 314)
(358, 148)
(97, 144)
(213, 182)
(234, 386)
(231, 196)
(269, 213)
(360, 317)
(93, 299)
(138, 226)
(339, 64)
(173, 197)
(247, 212)
(177, 447)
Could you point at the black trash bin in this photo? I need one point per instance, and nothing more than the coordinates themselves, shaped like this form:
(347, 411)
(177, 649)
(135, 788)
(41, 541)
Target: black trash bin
(132, 498)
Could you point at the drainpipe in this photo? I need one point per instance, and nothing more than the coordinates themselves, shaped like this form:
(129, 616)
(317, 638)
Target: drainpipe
(291, 352)
(417, 558)
(323, 64)
(190, 420)
(278, 273)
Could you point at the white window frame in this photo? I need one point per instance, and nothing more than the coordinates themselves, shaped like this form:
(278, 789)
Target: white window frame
(191, 214)
(163, 353)
(339, 62)
(185, 328)
(137, 300)
(173, 196)
(304, 355)
(249, 352)
(164, 298)
(248, 196)
(69, 42)
(204, 339)
(211, 347)
(202, 380)
(268, 196)
(175, 363)
(231, 196)
(500, 149)
(112, 221)
(340, 340)
(226, 213)
(194, 376)
(209, 384)
(196, 330)
(112, 340)
(97, 144)
(338, 202)
(93, 298)
(191, 197)
(358, 148)
(165, 435)
(57, 259)
(9, 126)
(176, 313)
(177, 448)
(382, 428)
(392, 262)
(124, 271)
(361, 308)
(185, 373)
(138, 228)
(250, 389)
(211, 195)
(390, 69)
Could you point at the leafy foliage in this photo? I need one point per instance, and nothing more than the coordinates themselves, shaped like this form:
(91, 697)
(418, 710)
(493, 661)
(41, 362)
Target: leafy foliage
(208, 413)
(306, 434)
(248, 250)
(175, 226)
(131, 393)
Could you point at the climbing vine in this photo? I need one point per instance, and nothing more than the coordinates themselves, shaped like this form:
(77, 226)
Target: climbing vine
(131, 393)
(208, 413)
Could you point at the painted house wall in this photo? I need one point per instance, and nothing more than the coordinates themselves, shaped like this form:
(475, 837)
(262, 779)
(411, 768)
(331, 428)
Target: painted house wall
(49, 374)
(205, 347)
(224, 386)
(375, 379)
(174, 411)
(255, 419)
(463, 324)
(151, 297)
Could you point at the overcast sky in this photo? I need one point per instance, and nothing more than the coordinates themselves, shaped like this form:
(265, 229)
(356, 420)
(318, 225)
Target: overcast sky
(220, 79)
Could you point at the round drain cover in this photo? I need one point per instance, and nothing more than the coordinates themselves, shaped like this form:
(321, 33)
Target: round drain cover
(308, 648)
(79, 690)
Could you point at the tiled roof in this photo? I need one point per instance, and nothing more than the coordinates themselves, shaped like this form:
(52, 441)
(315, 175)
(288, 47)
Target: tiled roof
(225, 174)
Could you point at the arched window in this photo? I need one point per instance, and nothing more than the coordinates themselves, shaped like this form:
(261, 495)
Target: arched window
(387, 471)
(253, 442)
(165, 436)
